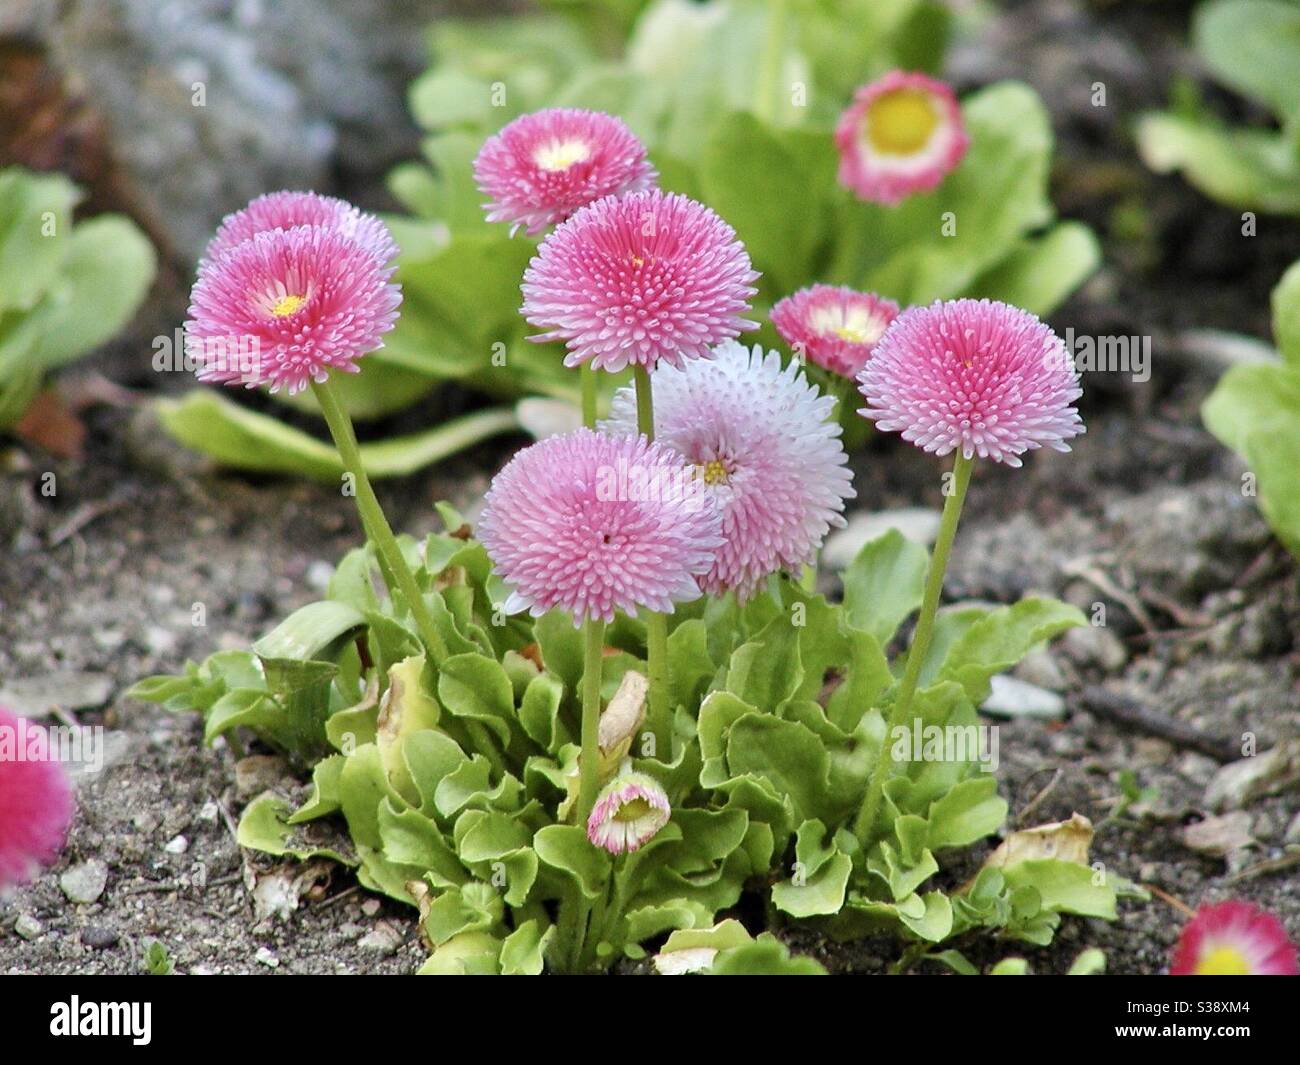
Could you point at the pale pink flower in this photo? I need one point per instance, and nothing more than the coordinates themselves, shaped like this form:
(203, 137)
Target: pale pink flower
(765, 444)
(590, 523)
(902, 135)
(1234, 939)
(628, 813)
(286, 209)
(288, 306)
(543, 166)
(633, 280)
(981, 376)
(832, 326)
(35, 801)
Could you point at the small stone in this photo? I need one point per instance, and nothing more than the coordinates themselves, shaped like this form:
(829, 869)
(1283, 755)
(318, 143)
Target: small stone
(70, 690)
(85, 882)
(1149, 873)
(1016, 698)
(1271, 772)
(1292, 834)
(1218, 837)
(209, 812)
(1095, 645)
(319, 574)
(160, 641)
(1041, 667)
(202, 970)
(177, 845)
(28, 927)
(99, 937)
(370, 907)
(256, 773)
(382, 939)
(265, 957)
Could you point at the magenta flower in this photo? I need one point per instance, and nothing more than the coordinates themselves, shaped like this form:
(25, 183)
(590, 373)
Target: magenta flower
(832, 326)
(640, 278)
(1234, 939)
(628, 813)
(591, 524)
(286, 210)
(901, 135)
(35, 801)
(978, 375)
(764, 443)
(544, 166)
(288, 306)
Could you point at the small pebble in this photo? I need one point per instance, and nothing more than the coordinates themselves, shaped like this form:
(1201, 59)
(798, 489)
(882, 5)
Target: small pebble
(99, 937)
(85, 882)
(370, 907)
(28, 927)
(265, 957)
(177, 845)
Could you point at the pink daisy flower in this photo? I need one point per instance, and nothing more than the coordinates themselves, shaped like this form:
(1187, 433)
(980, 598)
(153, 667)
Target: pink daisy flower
(978, 375)
(544, 166)
(765, 444)
(35, 801)
(285, 210)
(640, 278)
(835, 327)
(628, 813)
(1234, 939)
(592, 524)
(288, 306)
(902, 134)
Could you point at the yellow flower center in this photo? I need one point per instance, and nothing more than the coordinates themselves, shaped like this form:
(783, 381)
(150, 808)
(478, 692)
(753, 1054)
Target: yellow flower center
(713, 472)
(901, 122)
(286, 305)
(633, 810)
(854, 325)
(1223, 961)
(560, 155)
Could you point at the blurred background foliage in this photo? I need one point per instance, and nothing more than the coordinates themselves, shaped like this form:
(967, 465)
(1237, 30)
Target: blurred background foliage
(736, 100)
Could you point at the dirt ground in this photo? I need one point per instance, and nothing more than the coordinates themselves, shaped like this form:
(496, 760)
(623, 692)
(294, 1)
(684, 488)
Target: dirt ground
(1146, 515)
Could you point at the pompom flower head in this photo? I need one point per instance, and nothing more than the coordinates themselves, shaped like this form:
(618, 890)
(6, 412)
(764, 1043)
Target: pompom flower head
(763, 442)
(628, 813)
(543, 166)
(288, 306)
(834, 327)
(978, 375)
(35, 802)
(1234, 939)
(637, 279)
(591, 524)
(901, 135)
(286, 209)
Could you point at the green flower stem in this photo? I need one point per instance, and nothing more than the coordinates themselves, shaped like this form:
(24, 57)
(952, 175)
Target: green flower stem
(656, 625)
(587, 376)
(373, 521)
(920, 643)
(589, 763)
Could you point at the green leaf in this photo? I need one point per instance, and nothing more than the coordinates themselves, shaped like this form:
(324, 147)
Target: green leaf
(884, 584)
(476, 687)
(1010, 967)
(264, 827)
(1002, 638)
(236, 436)
(524, 950)
(1041, 271)
(1286, 315)
(766, 956)
(969, 812)
(314, 631)
(35, 234)
(1253, 46)
(566, 849)
(1090, 962)
(1064, 887)
(1255, 410)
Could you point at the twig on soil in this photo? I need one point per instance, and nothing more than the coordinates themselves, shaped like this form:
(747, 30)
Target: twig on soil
(1037, 800)
(1099, 580)
(1186, 618)
(341, 895)
(1264, 868)
(151, 889)
(1107, 706)
(83, 516)
(1164, 896)
(1263, 562)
